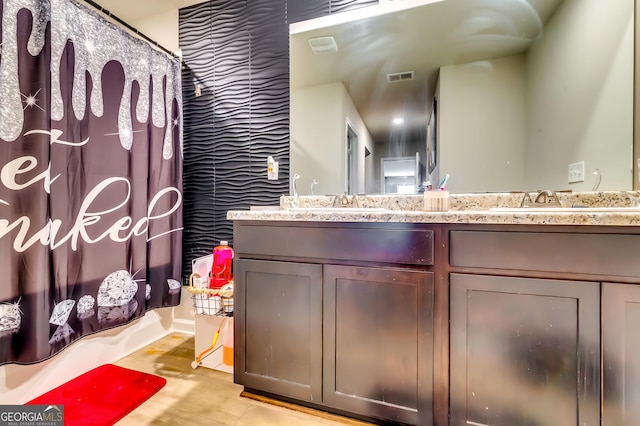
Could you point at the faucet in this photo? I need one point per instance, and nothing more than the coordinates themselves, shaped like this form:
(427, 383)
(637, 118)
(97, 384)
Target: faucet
(543, 198)
(526, 200)
(598, 176)
(344, 201)
(296, 197)
(549, 198)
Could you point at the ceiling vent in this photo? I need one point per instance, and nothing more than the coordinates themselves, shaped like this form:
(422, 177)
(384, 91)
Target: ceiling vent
(323, 45)
(400, 76)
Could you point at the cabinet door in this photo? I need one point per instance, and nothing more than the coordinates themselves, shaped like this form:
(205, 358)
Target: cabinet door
(524, 351)
(278, 312)
(621, 354)
(378, 342)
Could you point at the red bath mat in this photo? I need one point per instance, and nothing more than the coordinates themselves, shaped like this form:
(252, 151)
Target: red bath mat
(103, 395)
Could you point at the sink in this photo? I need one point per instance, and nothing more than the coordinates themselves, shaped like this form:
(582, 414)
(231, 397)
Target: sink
(566, 209)
(339, 209)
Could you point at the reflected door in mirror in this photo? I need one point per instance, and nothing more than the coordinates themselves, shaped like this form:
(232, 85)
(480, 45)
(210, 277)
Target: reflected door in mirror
(400, 175)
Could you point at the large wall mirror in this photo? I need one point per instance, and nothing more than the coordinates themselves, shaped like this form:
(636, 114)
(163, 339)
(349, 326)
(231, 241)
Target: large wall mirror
(523, 88)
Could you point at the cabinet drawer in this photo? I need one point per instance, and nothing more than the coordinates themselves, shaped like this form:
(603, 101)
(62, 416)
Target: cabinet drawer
(402, 244)
(598, 254)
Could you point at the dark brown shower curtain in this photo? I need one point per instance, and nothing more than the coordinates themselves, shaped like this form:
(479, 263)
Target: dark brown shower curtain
(90, 177)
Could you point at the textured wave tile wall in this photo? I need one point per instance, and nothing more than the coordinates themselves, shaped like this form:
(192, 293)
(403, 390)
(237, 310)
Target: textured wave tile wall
(198, 117)
(269, 99)
(337, 6)
(237, 54)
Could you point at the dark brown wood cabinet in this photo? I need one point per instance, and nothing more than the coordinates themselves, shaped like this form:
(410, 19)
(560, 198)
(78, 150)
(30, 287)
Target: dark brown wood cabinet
(509, 285)
(337, 316)
(621, 354)
(278, 323)
(524, 351)
(377, 345)
(461, 324)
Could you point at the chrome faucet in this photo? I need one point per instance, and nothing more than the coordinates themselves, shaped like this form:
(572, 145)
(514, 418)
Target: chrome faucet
(548, 198)
(598, 176)
(313, 186)
(296, 197)
(543, 198)
(344, 201)
(526, 201)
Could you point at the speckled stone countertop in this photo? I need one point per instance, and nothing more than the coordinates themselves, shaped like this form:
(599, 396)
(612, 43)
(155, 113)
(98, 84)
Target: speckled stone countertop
(463, 208)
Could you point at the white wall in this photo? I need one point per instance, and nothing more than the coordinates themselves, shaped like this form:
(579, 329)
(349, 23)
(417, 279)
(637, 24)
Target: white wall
(365, 165)
(481, 125)
(318, 119)
(563, 77)
(315, 127)
(21, 383)
(516, 134)
(162, 28)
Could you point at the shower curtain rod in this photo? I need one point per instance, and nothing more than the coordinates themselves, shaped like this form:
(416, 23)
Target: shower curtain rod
(129, 27)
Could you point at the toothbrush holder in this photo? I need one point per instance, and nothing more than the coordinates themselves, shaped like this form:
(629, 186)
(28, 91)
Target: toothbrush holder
(436, 201)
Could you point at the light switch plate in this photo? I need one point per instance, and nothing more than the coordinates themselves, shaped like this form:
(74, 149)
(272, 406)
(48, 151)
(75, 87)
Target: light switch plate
(576, 172)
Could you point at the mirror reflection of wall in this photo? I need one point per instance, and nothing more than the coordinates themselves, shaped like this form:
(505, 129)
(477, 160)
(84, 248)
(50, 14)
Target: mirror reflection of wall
(526, 117)
(517, 104)
(318, 150)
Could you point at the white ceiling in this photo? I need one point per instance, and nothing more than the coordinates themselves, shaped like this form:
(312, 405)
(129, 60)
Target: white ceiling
(132, 10)
(420, 39)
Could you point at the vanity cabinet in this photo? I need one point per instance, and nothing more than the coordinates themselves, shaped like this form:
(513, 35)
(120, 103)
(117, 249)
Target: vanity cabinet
(278, 308)
(540, 316)
(442, 324)
(376, 350)
(337, 316)
(524, 351)
(621, 354)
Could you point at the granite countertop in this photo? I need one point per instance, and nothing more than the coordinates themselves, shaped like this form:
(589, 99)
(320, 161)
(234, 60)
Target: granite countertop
(464, 208)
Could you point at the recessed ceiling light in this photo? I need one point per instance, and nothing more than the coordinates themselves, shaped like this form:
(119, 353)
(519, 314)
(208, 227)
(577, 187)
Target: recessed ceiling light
(398, 120)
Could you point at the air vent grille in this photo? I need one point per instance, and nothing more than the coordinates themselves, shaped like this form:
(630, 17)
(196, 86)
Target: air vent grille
(400, 76)
(323, 45)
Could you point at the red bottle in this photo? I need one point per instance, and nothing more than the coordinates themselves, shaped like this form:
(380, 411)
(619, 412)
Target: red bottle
(222, 262)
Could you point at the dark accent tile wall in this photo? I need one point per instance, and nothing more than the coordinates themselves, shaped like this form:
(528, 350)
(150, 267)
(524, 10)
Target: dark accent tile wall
(237, 52)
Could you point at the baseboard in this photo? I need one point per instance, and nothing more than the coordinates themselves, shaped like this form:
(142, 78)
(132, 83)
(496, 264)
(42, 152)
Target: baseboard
(141, 345)
(184, 326)
(306, 410)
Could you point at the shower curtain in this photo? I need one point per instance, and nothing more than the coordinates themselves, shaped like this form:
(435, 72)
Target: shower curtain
(90, 177)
